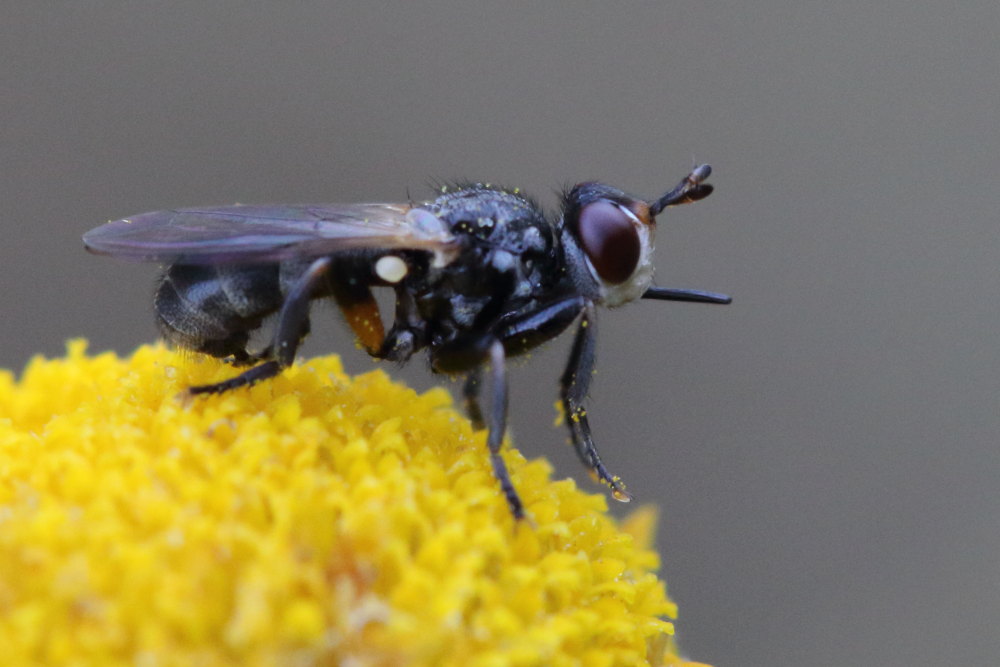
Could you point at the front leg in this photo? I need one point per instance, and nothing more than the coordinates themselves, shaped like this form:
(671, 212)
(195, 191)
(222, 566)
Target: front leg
(527, 330)
(575, 383)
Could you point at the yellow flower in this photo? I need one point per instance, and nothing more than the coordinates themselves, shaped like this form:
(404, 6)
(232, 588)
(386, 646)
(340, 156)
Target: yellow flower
(314, 519)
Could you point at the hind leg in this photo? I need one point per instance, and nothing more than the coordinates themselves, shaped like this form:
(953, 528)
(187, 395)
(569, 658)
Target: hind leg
(293, 325)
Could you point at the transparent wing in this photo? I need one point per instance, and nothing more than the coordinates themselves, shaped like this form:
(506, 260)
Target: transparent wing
(267, 233)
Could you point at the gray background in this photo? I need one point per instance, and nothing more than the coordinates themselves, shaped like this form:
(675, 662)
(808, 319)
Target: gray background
(825, 449)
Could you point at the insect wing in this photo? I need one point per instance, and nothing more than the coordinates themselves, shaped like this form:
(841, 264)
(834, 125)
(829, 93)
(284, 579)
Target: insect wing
(247, 233)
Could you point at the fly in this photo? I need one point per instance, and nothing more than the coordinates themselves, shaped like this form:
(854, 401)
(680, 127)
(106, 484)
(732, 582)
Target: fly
(479, 274)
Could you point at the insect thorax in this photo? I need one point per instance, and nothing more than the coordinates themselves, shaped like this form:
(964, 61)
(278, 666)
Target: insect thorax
(509, 257)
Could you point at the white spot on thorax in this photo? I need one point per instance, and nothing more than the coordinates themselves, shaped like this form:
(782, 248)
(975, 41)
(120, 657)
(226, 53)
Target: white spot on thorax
(390, 268)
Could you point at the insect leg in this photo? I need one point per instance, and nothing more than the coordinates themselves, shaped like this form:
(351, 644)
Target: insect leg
(523, 331)
(470, 393)
(497, 423)
(469, 355)
(574, 383)
(408, 330)
(293, 322)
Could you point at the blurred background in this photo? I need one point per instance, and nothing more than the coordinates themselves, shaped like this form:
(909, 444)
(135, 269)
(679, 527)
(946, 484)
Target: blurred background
(824, 450)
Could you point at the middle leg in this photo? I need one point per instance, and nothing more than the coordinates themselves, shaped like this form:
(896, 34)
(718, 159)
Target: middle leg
(495, 417)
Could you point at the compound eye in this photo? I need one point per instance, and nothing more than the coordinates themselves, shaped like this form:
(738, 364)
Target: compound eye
(610, 240)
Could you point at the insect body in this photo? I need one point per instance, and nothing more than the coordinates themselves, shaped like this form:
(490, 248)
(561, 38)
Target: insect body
(479, 274)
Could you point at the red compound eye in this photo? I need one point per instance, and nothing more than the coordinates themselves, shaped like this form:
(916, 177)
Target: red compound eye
(611, 241)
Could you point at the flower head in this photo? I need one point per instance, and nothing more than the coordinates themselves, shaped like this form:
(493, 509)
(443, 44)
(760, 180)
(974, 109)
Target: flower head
(312, 519)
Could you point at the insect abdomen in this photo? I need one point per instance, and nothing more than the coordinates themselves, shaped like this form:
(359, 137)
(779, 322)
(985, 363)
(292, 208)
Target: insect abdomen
(213, 309)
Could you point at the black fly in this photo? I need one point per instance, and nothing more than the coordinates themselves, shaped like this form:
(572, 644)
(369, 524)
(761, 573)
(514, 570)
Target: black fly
(479, 274)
